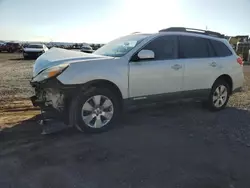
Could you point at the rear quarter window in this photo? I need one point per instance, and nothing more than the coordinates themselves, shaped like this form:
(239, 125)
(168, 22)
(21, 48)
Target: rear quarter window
(221, 50)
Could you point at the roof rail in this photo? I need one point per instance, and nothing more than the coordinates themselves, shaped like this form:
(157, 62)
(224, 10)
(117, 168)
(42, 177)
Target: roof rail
(192, 30)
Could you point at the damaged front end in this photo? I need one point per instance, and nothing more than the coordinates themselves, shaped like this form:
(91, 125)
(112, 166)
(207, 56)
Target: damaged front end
(51, 96)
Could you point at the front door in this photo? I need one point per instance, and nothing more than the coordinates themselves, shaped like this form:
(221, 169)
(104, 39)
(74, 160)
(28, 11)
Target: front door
(158, 76)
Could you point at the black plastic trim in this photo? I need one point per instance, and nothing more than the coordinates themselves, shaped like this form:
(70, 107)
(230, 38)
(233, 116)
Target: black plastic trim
(168, 97)
(193, 30)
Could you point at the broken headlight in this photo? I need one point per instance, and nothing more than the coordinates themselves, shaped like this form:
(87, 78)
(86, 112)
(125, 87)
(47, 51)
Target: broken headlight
(50, 72)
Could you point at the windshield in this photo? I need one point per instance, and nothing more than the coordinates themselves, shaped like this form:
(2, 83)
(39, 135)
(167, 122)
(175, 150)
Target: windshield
(120, 46)
(35, 46)
(87, 47)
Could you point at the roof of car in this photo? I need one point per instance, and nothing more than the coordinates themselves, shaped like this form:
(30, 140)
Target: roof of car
(187, 31)
(193, 30)
(190, 34)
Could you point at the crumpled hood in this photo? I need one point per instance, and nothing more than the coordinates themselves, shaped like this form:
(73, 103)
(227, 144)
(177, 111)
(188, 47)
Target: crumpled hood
(57, 56)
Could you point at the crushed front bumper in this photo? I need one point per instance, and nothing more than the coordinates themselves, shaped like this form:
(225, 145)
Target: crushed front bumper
(52, 98)
(36, 102)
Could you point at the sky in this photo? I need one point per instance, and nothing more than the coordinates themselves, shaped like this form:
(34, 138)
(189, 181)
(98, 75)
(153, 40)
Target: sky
(100, 21)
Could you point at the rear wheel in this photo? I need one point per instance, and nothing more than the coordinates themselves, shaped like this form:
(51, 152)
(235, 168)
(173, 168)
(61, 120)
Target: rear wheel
(95, 110)
(219, 95)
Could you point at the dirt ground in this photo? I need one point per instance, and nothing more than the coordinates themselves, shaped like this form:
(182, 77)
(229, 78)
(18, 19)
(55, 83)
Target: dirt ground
(173, 145)
(15, 74)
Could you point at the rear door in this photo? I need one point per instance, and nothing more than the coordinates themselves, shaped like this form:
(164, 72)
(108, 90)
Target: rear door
(226, 61)
(196, 52)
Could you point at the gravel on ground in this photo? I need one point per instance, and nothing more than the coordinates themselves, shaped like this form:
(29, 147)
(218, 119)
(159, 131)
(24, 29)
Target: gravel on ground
(173, 145)
(15, 74)
(15, 90)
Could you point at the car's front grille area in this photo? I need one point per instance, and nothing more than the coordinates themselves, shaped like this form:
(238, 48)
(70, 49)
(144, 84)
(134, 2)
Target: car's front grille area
(33, 53)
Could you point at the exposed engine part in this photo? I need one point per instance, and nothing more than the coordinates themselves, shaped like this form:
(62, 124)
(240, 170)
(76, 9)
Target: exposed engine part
(54, 98)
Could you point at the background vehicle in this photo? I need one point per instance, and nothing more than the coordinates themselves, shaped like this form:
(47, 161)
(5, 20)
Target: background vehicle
(239, 38)
(34, 50)
(242, 49)
(11, 47)
(2, 46)
(86, 48)
(89, 90)
(241, 45)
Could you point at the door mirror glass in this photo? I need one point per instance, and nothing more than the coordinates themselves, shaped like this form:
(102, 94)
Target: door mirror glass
(146, 54)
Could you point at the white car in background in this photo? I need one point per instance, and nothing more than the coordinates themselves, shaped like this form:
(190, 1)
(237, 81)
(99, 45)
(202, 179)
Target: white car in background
(34, 50)
(86, 49)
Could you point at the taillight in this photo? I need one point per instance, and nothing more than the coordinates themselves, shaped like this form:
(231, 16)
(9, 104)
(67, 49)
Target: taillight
(240, 61)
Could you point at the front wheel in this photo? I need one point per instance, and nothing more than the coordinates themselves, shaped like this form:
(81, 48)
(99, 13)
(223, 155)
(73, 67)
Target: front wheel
(219, 95)
(95, 110)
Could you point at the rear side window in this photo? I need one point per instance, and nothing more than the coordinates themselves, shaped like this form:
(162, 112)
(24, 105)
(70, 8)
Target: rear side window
(193, 47)
(164, 47)
(221, 50)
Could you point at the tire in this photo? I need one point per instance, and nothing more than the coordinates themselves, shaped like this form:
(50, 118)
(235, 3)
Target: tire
(77, 114)
(220, 90)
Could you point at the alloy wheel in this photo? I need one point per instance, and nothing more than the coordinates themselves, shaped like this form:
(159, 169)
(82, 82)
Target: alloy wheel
(97, 111)
(220, 96)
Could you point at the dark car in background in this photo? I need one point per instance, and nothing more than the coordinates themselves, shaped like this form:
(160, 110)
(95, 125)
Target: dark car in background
(11, 47)
(86, 48)
(2, 46)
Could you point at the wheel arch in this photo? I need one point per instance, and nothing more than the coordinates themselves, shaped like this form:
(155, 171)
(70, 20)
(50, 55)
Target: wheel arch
(104, 84)
(227, 79)
(70, 101)
(98, 83)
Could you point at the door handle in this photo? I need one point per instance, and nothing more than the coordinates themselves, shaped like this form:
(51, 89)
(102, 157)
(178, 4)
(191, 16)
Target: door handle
(176, 67)
(213, 64)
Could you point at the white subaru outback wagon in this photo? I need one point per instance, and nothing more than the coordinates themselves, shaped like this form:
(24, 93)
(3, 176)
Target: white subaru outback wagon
(89, 90)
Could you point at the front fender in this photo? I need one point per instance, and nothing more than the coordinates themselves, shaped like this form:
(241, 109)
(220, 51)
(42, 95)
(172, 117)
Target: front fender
(113, 71)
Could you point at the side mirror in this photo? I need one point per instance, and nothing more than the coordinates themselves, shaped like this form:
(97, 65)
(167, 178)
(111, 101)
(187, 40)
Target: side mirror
(146, 54)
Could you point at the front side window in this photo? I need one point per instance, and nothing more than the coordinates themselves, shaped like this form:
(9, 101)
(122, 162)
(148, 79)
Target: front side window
(164, 47)
(120, 46)
(193, 47)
